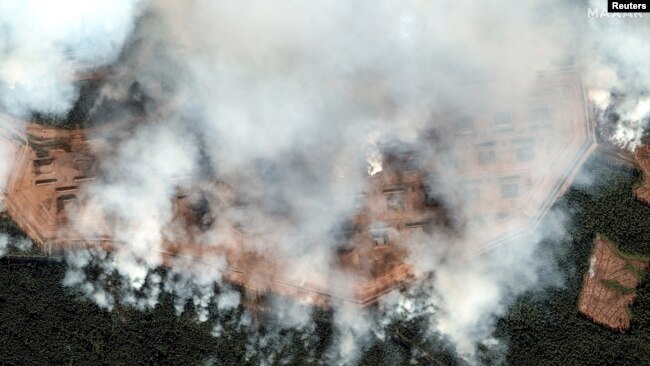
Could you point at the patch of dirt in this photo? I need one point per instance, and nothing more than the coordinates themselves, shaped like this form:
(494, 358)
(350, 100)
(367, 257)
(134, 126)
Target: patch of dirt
(642, 157)
(609, 286)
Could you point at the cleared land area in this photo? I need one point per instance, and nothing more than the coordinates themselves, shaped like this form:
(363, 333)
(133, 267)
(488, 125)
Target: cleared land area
(642, 157)
(609, 285)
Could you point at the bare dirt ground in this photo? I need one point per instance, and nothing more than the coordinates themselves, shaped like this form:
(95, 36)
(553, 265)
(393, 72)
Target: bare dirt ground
(642, 157)
(52, 166)
(609, 286)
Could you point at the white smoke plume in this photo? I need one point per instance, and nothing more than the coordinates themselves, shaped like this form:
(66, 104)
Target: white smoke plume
(619, 75)
(285, 103)
(4, 243)
(42, 43)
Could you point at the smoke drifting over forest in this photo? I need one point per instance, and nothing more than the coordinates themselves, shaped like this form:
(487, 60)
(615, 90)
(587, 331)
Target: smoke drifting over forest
(287, 102)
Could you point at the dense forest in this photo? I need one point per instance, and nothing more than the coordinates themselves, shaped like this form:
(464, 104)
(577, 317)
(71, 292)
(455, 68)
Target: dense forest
(544, 327)
(43, 323)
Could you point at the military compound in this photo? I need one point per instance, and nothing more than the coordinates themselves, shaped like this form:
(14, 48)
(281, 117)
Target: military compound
(518, 158)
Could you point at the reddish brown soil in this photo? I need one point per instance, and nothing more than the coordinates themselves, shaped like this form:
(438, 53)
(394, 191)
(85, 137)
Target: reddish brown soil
(46, 187)
(642, 157)
(599, 300)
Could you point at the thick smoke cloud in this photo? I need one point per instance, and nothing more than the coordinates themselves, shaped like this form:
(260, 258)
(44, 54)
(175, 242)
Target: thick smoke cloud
(619, 72)
(287, 103)
(42, 43)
